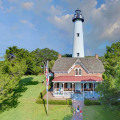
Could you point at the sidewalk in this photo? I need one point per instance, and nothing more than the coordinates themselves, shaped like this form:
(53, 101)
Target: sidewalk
(75, 103)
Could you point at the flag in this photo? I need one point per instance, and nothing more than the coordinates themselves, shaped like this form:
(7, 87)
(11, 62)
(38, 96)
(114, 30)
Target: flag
(47, 74)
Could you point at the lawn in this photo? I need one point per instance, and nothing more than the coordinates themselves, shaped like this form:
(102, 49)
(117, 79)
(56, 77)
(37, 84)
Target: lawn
(98, 112)
(27, 109)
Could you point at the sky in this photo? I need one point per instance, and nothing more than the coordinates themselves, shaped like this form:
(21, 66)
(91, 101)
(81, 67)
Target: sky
(32, 24)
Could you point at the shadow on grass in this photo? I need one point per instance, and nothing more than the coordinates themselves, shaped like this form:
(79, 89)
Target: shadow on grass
(13, 102)
(69, 117)
(44, 106)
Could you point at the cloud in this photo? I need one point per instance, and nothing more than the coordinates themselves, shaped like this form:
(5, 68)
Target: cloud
(63, 23)
(56, 10)
(1, 7)
(10, 9)
(28, 23)
(28, 5)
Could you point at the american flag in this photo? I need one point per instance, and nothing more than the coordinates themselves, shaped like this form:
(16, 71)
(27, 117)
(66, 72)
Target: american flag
(47, 74)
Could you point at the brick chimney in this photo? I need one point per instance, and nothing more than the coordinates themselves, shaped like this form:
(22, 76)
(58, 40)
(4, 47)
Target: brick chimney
(59, 56)
(96, 56)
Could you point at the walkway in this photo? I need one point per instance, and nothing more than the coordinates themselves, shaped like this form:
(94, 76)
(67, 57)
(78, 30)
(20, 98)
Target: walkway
(75, 103)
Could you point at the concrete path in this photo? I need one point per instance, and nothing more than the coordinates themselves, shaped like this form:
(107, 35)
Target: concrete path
(75, 103)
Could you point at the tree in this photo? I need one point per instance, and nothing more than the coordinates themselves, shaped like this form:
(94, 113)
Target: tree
(110, 87)
(10, 76)
(51, 63)
(42, 55)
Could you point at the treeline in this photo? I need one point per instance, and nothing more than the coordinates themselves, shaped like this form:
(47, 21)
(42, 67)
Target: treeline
(109, 89)
(19, 62)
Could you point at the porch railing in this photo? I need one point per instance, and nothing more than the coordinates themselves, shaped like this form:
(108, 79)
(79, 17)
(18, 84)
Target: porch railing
(63, 93)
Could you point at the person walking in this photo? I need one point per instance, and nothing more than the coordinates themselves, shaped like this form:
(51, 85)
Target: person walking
(77, 109)
(80, 112)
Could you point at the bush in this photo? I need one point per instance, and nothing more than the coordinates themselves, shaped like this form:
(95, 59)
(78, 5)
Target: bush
(69, 102)
(115, 102)
(57, 102)
(53, 102)
(42, 94)
(41, 101)
(91, 102)
(87, 102)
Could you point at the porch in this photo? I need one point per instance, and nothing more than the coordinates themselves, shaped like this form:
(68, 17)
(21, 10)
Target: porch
(76, 90)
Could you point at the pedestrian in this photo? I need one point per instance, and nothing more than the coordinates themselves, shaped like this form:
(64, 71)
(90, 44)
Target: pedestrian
(80, 112)
(77, 109)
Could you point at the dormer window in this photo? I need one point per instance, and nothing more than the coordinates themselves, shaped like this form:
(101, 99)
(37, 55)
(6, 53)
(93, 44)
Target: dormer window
(78, 72)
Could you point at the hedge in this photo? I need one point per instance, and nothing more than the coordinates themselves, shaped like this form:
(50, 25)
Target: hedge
(55, 102)
(42, 94)
(91, 102)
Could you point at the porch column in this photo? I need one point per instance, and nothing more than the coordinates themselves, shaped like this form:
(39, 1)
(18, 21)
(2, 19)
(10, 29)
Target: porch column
(63, 89)
(93, 89)
(83, 90)
(72, 87)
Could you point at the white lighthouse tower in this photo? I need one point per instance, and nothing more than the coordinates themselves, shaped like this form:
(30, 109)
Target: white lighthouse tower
(78, 43)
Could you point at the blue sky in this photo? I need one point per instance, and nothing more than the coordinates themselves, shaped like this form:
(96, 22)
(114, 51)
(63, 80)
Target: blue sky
(32, 24)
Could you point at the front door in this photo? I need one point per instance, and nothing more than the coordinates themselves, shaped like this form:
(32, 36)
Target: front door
(78, 86)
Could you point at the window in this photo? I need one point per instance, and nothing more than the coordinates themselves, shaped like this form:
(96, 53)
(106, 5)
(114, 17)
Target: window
(78, 34)
(69, 85)
(78, 54)
(90, 85)
(78, 71)
(57, 85)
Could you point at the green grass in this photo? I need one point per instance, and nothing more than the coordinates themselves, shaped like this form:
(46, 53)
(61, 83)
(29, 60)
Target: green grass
(27, 109)
(98, 112)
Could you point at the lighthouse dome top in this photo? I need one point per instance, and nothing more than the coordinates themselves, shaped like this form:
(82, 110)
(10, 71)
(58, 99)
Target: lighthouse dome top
(78, 16)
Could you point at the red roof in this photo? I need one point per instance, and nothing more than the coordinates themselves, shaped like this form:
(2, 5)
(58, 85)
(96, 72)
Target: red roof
(76, 78)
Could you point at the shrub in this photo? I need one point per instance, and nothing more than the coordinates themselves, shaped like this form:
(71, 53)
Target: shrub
(41, 101)
(91, 102)
(87, 102)
(69, 102)
(115, 102)
(57, 102)
(42, 94)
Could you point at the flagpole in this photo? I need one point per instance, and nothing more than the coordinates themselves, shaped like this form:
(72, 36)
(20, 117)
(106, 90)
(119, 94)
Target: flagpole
(47, 86)
(47, 95)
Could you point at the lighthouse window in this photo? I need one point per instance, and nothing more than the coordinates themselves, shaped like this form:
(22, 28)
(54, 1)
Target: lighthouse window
(78, 34)
(78, 54)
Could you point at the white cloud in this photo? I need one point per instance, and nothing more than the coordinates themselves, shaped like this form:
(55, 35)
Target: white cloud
(28, 23)
(28, 5)
(56, 10)
(10, 9)
(64, 23)
(1, 7)
(42, 6)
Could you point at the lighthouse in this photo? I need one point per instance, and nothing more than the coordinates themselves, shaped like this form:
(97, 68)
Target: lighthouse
(78, 43)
